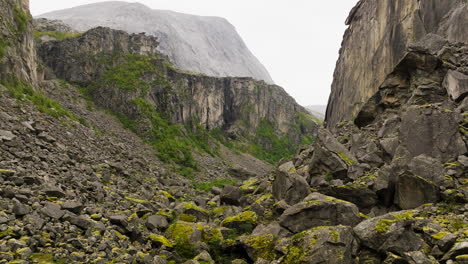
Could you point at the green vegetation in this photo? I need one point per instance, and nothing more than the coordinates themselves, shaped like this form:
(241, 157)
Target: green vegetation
(267, 145)
(21, 19)
(129, 73)
(22, 91)
(55, 34)
(42, 258)
(383, 225)
(219, 182)
(3, 46)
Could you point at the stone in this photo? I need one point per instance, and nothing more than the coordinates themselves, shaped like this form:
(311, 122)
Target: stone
(290, 187)
(20, 209)
(230, 195)
(413, 191)
(428, 168)
(157, 222)
(72, 206)
(456, 84)
(81, 222)
(319, 210)
(393, 232)
(118, 220)
(334, 245)
(204, 257)
(460, 248)
(6, 135)
(216, 190)
(53, 210)
(53, 191)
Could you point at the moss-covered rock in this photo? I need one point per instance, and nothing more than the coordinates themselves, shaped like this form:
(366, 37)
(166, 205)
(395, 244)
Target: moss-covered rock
(324, 244)
(243, 222)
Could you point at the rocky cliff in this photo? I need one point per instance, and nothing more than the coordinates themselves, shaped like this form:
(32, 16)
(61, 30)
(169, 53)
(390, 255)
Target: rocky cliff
(17, 50)
(208, 45)
(378, 38)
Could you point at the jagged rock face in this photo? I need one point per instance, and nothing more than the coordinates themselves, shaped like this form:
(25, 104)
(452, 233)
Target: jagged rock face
(208, 45)
(17, 49)
(45, 25)
(235, 104)
(376, 41)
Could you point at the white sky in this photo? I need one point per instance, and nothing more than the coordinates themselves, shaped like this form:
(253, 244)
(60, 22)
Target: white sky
(297, 40)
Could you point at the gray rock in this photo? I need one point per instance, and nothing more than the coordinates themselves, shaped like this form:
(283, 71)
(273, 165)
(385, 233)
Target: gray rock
(319, 210)
(54, 192)
(334, 245)
(290, 187)
(73, 206)
(413, 191)
(429, 168)
(456, 84)
(6, 135)
(53, 210)
(20, 209)
(391, 232)
(230, 195)
(118, 220)
(81, 222)
(157, 222)
(460, 248)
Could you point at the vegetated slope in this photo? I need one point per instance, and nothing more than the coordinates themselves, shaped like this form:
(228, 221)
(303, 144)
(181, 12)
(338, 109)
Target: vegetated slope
(125, 74)
(208, 45)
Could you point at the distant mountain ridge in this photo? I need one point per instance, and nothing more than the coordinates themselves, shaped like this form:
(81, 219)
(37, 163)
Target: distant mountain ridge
(208, 45)
(317, 110)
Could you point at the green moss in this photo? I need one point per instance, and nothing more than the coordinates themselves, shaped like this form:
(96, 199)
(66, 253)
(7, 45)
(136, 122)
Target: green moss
(462, 257)
(161, 240)
(180, 233)
(247, 216)
(187, 218)
(136, 200)
(440, 235)
(192, 206)
(250, 184)
(263, 245)
(22, 91)
(219, 182)
(334, 234)
(56, 34)
(346, 159)
(42, 258)
(383, 225)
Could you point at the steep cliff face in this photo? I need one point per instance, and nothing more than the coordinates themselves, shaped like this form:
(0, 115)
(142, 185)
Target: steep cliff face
(17, 50)
(208, 45)
(378, 38)
(237, 105)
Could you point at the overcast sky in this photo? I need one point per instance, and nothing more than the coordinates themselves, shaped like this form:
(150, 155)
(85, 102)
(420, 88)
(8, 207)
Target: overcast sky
(297, 40)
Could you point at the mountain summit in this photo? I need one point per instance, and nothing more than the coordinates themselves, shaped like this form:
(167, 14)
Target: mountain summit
(208, 45)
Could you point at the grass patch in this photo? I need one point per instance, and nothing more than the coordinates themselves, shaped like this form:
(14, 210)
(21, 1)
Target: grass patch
(220, 182)
(267, 145)
(55, 34)
(21, 19)
(22, 91)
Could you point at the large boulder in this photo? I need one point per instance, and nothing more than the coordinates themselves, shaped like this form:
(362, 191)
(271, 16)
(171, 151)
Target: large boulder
(456, 84)
(319, 210)
(413, 191)
(333, 245)
(391, 232)
(290, 186)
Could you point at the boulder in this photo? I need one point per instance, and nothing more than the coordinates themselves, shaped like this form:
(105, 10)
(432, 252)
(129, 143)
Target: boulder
(393, 232)
(230, 195)
(319, 210)
(53, 210)
(333, 245)
(456, 84)
(157, 222)
(20, 209)
(413, 191)
(290, 187)
(428, 168)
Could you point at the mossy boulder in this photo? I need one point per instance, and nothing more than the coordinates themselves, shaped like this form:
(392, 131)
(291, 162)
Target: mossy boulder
(324, 244)
(190, 210)
(259, 246)
(319, 210)
(242, 223)
(396, 232)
